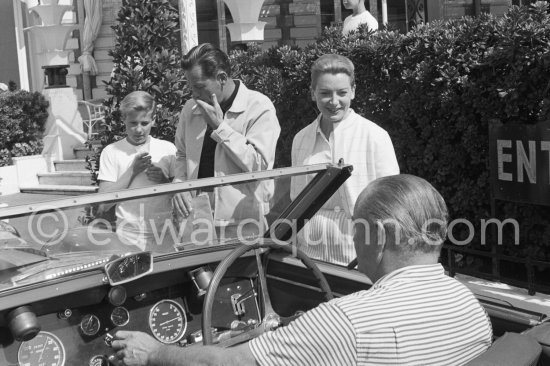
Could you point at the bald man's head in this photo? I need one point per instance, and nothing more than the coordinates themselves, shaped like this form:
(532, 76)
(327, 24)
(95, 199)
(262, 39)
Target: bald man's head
(409, 210)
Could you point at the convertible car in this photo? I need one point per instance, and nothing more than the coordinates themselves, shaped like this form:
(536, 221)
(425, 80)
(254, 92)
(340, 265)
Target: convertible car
(69, 279)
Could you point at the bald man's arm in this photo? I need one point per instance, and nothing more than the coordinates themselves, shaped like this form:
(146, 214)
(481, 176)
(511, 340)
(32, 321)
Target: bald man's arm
(140, 349)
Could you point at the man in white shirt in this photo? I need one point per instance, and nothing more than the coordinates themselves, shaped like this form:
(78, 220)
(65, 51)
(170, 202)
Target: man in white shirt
(360, 16)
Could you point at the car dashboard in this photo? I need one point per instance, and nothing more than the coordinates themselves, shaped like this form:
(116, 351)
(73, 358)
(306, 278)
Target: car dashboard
(75, 327)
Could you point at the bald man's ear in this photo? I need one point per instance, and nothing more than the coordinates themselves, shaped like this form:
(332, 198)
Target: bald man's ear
(380, 234)
(381, 241)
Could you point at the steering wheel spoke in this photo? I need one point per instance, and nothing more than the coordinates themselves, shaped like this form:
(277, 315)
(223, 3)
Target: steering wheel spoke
(242, 337)
(285, 320)
(270, 319)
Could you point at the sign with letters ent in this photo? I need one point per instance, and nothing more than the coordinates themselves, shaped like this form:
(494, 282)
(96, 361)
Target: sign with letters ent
(520, 162)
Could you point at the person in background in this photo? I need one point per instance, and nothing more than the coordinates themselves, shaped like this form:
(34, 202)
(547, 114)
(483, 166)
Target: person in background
(224, 129)
(414, 314)
(359, 16)
(338, 133)
(139, 160)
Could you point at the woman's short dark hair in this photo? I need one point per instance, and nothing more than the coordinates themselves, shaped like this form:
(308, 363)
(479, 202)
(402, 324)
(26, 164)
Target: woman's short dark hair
(210, 58)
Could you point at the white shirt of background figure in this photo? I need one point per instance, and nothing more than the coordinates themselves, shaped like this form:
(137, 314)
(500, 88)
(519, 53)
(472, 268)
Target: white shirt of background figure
(359, 16)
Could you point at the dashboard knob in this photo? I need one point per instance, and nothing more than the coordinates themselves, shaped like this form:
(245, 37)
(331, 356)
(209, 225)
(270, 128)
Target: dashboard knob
(23, 323)
(117, 295)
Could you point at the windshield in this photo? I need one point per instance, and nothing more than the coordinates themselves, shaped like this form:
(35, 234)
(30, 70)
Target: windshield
(49, 240)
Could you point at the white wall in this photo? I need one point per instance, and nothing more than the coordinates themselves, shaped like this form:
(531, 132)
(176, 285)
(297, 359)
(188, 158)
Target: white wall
(8, 180)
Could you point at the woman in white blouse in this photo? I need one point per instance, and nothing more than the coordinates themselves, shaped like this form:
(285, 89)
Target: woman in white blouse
(338, 133)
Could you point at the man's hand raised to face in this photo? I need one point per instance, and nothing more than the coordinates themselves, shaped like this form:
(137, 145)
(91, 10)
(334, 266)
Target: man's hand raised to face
(213, 113)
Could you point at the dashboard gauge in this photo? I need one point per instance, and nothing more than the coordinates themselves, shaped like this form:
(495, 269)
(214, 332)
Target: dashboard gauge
(167, 321)
(44, 349)
(90, 324)
(99, 360)
(120, 316)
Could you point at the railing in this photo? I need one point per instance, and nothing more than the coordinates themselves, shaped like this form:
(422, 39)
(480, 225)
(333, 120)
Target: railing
(496, 258)
(94, 114)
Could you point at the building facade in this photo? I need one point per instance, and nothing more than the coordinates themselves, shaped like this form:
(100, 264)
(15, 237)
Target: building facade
(287, 22)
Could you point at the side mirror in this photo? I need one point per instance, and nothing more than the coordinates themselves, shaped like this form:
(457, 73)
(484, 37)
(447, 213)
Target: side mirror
(128, 268)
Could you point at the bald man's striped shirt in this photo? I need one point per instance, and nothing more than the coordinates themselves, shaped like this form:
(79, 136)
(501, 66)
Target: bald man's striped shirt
(413, 316)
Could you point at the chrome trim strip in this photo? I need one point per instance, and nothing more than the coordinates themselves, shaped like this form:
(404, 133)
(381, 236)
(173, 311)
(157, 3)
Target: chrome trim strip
(515, 316)
(158, 190)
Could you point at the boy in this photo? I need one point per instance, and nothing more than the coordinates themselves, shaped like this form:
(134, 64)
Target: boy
(360, 16)
(139, 160)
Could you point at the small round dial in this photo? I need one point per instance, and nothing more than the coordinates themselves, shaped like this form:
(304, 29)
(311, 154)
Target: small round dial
(44, 349)
(120, 316)
(99, 360)
(167, 321)
(90, 324)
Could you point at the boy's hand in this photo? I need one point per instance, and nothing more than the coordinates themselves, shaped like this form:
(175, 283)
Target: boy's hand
(142, 161)
(155, 174)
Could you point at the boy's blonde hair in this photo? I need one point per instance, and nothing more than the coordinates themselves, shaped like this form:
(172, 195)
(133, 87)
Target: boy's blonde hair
(332, 64)
(137, 101)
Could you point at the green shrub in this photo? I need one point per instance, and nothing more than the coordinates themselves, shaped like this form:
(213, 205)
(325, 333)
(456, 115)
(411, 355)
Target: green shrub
(23, 117)
(434, 89)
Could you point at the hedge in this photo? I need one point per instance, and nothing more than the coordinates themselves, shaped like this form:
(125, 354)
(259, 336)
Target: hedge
(435, 90)
(23, 117)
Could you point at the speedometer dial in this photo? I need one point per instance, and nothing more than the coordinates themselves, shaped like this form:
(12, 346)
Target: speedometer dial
(167, 321)
(44, 349)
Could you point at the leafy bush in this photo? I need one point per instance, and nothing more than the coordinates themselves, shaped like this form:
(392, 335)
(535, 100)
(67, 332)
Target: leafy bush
(435, 90)
(23, 117)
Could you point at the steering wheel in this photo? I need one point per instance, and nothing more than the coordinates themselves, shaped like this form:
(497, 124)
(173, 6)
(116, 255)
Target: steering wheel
(270, 319)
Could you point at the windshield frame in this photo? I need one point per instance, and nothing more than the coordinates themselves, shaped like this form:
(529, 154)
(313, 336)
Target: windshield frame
(134, 193)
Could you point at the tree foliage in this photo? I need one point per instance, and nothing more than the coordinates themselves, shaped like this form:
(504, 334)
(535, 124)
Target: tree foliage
(147, 57)
(23, 118)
